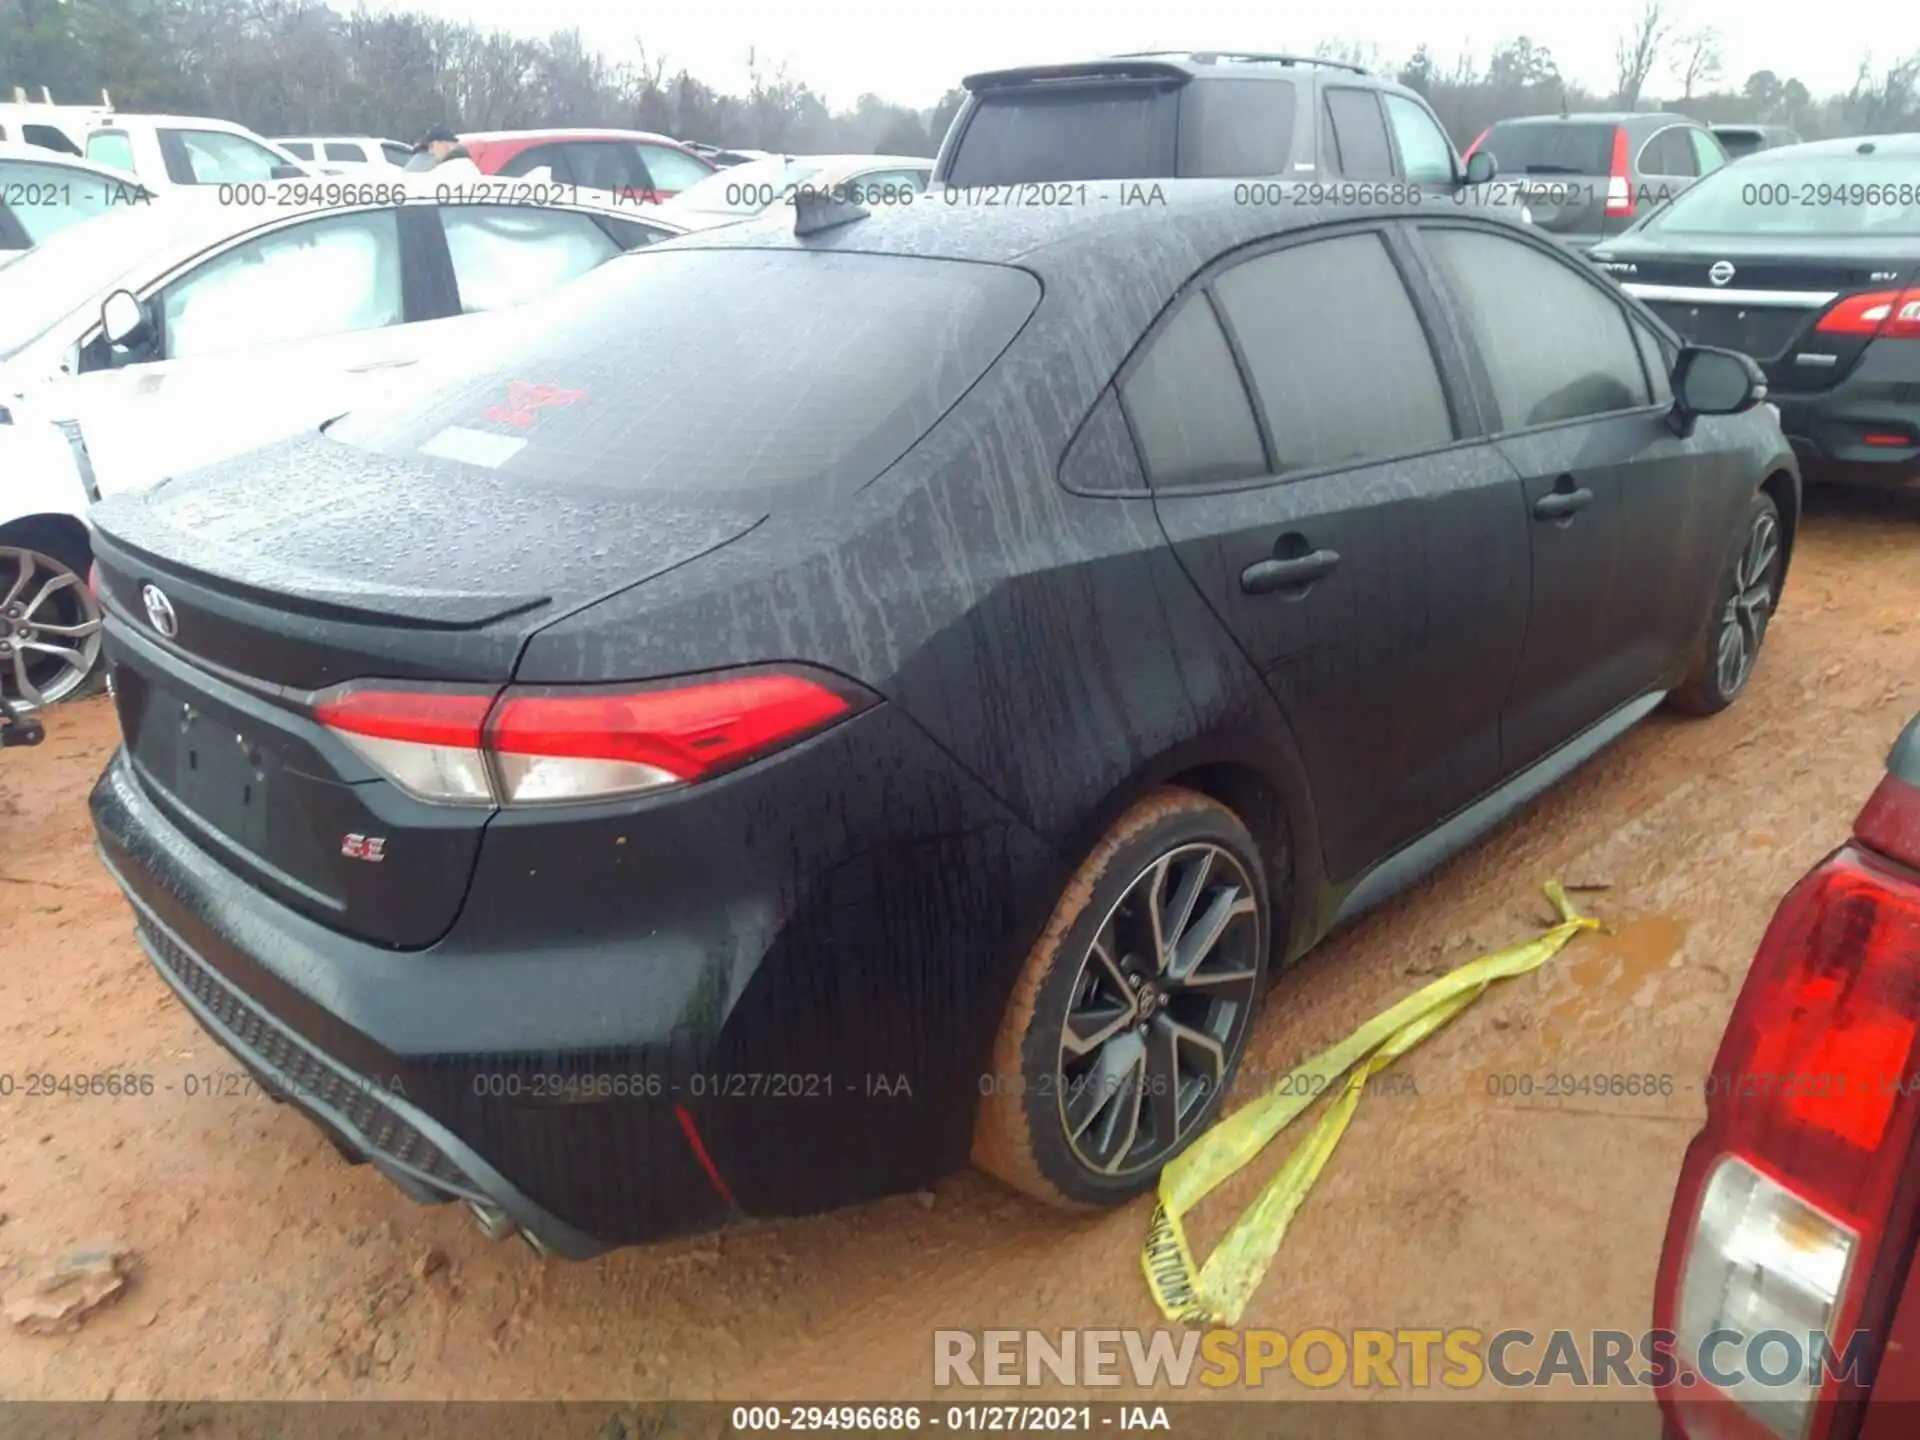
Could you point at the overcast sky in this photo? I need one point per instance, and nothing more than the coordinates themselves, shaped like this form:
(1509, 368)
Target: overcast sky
(910, 53)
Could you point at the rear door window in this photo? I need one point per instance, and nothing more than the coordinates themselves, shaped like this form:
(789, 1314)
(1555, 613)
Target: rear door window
(340, 150)
(506, 255)
(1556, 346)
(1339, 362)
(1188, 406)
(1426, 155)
(849, 358)
(551, 158)
(329, 276)
(48, 138)
(1359, 134)
(1118, 132)
(1234, 127)
(302, 148)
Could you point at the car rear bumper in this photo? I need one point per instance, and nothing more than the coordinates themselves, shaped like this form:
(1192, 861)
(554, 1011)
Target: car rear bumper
(624, 1057)
(1880, 396)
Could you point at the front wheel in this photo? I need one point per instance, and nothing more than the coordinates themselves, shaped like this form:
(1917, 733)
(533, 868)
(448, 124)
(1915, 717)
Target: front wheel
(1744, 603)
(1126, 1026)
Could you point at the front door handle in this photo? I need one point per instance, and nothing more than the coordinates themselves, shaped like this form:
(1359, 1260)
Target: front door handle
(1265, 576)
(1564, 500)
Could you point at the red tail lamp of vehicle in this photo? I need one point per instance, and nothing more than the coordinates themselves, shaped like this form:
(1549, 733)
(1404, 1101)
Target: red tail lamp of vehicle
(1620, 176)
(1877, 314)
(545, 745)
(1792, 1187)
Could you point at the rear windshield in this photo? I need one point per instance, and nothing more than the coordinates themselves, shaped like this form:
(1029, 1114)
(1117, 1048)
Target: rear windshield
(1103, 132)
(1740, 142)
(1830, 195)
(730, 373)
(1550, 147)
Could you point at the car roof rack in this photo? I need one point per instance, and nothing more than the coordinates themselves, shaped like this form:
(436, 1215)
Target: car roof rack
(1243, 57)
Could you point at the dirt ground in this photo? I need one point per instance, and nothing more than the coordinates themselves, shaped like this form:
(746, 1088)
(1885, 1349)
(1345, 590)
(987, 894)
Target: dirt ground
(268, 1268)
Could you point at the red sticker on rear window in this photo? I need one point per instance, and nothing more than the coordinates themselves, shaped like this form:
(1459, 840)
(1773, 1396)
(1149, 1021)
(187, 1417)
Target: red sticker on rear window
(524, 398)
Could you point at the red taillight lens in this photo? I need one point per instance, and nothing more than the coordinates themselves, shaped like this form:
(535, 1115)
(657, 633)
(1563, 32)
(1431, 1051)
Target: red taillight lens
(542, 745)
(1620, 176)
(1478, 143)
(1786, 1193)
(1885, 314)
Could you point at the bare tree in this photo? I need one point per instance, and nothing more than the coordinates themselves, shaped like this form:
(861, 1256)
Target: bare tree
(1637, 52)
(1697, 62)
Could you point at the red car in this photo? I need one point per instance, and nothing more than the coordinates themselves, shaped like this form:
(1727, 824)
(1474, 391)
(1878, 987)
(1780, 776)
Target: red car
(629, 163)
(1786, 1289)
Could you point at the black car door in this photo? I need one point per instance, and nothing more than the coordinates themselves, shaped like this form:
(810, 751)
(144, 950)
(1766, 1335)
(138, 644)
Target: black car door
(1366, 551)
(1623, 513)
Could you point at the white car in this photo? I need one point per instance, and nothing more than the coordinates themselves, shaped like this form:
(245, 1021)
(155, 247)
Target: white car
(42, 193)
(169, 152)
(740, 192)
(346, 150)
(49, 621)
(177, 335)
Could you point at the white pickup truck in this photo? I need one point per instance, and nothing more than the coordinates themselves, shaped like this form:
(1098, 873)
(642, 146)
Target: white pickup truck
(175, 152)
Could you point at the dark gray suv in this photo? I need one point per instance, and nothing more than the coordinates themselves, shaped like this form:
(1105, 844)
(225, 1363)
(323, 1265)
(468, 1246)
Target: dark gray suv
(1586, 178)
(1192, 114)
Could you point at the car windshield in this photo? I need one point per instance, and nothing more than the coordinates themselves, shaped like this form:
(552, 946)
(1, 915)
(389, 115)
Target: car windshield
(849, 359)
(1807, 195)
(1551, 147)
(744, 189)
(49, 282)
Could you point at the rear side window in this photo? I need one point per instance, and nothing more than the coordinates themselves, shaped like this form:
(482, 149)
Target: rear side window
(1551, 147)
(338, 150)
(1188, 407)
(1425, 152)
(1669, 153)
(1741, 142)
(1124, 132)
(1339, 362)
(669, 169)
(48, 138)
(110, 147)
(302, 148)
(506, 255)
(538, 157)
(611, 382)
(1556, 346)
(1359, 134)
(601, 165)
(213, 157)
(1236, 127)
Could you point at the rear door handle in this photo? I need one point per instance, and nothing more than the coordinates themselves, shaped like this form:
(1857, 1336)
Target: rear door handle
(1265, 576)
(1559, 504)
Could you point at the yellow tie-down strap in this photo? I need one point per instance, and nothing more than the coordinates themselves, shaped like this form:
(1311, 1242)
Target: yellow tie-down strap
(1217, 1292)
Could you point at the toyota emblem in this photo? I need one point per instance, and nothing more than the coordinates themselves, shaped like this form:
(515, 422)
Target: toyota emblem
(1721, 272)
(160, 611)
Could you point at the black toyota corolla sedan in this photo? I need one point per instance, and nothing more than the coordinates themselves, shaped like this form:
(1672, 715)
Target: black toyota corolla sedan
(1808, 259)
(622, 813)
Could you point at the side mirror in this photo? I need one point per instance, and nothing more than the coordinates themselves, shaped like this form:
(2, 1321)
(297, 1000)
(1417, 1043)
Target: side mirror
(285, 172)
(1708, 381)
(1482, 166)
(124, 320)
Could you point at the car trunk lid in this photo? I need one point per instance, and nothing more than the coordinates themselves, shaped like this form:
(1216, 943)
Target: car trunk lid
(235, 599)
(1766, 299)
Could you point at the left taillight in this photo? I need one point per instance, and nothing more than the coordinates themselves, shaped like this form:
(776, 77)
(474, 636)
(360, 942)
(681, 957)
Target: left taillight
(1787, 1192)
(535, 745)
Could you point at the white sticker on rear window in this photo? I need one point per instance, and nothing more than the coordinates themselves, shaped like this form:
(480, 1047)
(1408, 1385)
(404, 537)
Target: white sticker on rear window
(473, 447)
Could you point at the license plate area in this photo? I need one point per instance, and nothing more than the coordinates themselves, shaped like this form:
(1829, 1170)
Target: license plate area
(208, 764)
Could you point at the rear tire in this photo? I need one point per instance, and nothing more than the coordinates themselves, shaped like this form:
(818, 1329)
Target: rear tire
(1125, 1028)
(1744, 603)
